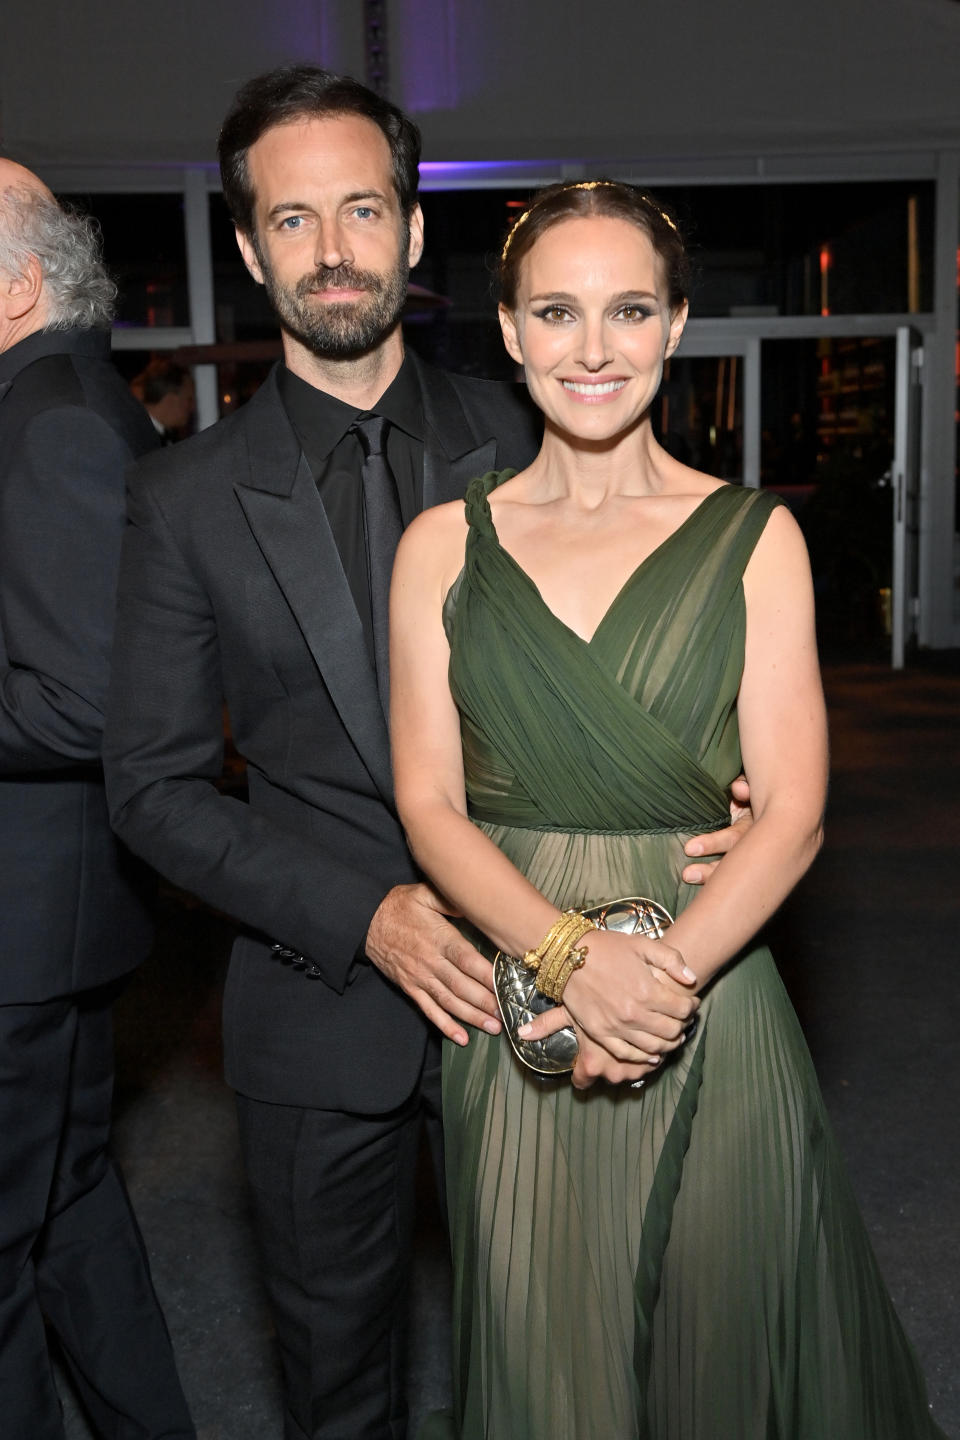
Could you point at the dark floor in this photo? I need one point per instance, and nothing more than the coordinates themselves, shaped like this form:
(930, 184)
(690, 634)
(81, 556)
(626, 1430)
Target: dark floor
(868, 946)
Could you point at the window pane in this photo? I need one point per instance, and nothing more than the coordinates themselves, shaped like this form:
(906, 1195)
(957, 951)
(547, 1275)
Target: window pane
(827, 415)
(698, 413)
(809, 249)
(144, 247)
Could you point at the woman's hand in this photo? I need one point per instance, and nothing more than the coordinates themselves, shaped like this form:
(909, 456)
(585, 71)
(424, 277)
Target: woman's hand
(633, 998)
(594, 1063)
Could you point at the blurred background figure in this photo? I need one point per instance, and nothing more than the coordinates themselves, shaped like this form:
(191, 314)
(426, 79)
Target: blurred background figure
(73, 920)
(167, 391)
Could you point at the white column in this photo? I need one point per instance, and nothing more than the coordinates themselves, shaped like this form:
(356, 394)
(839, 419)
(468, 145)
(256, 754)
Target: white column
(196, 219)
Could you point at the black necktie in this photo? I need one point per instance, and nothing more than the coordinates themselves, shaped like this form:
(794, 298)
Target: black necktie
(384, 526)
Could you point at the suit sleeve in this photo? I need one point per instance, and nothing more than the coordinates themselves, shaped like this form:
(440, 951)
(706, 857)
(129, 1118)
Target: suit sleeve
(163, 751)
(61, 524)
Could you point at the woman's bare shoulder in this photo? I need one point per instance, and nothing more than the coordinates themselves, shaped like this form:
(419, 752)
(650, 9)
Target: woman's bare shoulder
(683, 479)
(439, 524)
(434, 541)
(779, 565)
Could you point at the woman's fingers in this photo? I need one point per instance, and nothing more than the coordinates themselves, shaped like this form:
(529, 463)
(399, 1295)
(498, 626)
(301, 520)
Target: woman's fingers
(547, 1023)
(663, 957)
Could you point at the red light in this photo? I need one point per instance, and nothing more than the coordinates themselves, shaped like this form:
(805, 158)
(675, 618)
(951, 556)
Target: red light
(826, 261)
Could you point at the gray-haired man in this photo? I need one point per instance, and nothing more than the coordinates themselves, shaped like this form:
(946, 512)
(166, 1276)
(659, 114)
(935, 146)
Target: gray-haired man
(70, 1250)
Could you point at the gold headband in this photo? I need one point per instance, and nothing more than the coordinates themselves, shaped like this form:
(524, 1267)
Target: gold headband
(579, 185)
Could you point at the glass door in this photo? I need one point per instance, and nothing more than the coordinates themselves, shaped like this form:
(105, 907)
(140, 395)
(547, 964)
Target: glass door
(827, 449)
(704, 411)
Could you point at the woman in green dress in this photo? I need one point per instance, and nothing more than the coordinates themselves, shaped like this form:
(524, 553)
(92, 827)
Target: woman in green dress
(583, 658)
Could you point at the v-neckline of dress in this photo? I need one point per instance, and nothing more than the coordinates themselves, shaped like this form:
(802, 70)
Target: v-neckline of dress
(624, 588)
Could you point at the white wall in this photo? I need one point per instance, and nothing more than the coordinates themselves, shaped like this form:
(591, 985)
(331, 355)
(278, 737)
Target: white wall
(545, 78)
(92, 81)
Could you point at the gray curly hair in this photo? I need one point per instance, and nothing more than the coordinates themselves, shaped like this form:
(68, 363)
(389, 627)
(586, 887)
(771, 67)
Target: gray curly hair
(67, 243)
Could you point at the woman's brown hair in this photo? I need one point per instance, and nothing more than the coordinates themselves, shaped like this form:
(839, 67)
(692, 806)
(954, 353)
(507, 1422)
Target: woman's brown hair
(614, 198)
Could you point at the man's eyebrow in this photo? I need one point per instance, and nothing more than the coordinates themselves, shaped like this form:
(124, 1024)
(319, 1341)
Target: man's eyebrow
(365, 195)
(282, 206)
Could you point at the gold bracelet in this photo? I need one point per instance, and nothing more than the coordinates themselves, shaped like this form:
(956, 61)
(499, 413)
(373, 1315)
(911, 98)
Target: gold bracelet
(554, 985)
(558, 954)
(558, 939)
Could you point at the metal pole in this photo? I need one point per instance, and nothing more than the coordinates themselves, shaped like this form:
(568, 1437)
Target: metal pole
(375, 43)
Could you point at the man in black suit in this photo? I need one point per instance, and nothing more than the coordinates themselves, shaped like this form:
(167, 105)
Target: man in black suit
(255, 571)
(72, 920)
(167, 392)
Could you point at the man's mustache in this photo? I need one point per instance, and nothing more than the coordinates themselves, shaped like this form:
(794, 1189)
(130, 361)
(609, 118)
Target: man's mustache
(345, 277)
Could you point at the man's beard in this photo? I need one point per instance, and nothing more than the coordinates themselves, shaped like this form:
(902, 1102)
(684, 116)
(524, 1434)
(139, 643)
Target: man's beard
(332, 331)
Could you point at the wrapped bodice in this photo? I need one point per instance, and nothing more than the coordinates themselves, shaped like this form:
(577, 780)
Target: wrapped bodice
(633, 730)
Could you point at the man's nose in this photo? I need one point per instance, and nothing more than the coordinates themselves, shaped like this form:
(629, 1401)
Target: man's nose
(333, 245)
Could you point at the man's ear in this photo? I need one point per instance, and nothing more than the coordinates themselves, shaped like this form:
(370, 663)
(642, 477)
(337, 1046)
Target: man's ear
(415, 248)
(677, 321)
(249, 252)
(508, 327)
(19, 294)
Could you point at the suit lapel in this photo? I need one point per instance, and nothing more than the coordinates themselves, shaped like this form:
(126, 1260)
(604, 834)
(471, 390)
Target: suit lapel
(287, 518)
(451, 454)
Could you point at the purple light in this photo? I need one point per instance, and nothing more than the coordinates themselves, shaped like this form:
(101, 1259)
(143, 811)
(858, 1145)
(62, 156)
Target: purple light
(489, 174)
(470, 167)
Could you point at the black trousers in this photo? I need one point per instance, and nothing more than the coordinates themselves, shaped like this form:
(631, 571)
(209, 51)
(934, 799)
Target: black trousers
(70, 1248)
(333, 1198)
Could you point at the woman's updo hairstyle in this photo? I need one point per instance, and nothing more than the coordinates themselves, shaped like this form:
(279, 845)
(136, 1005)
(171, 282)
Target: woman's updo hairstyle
(613, 198)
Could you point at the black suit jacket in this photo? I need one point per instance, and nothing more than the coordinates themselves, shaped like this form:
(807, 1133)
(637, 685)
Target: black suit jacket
(232, 588)
(69, 915)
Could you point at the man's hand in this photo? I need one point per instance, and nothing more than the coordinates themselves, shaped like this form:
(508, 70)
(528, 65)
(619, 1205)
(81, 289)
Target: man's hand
(720, 842)
(411, 941)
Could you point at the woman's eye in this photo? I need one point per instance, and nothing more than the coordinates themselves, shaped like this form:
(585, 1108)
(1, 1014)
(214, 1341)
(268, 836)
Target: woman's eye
(554, 313)
(633, 312)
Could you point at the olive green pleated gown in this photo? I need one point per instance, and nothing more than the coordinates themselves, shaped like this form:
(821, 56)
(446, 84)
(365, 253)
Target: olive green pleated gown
(684, 1262)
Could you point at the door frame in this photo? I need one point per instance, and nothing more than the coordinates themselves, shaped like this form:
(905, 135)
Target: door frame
(744, 336)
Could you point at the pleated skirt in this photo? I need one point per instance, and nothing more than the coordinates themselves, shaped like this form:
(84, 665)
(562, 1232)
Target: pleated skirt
(683, 1262)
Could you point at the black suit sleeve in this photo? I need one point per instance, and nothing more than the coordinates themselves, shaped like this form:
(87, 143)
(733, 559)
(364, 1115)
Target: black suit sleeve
(163, 751)
(61, 525)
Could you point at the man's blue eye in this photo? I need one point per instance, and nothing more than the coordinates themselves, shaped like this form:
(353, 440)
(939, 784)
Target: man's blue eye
(363, 212)
(292, 222)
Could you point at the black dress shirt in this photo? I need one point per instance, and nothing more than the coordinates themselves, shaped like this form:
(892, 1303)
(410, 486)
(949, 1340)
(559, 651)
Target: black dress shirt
(335, 456)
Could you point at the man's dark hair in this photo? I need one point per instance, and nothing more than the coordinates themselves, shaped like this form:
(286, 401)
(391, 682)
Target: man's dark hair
(305, 92)
(159, 378)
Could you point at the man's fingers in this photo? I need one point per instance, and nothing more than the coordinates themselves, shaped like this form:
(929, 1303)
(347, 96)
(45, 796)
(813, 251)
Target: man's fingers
(438, 1016)
(695, 874)
(739, 798)
(462, 997)
(437, 999)
(469, 962)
